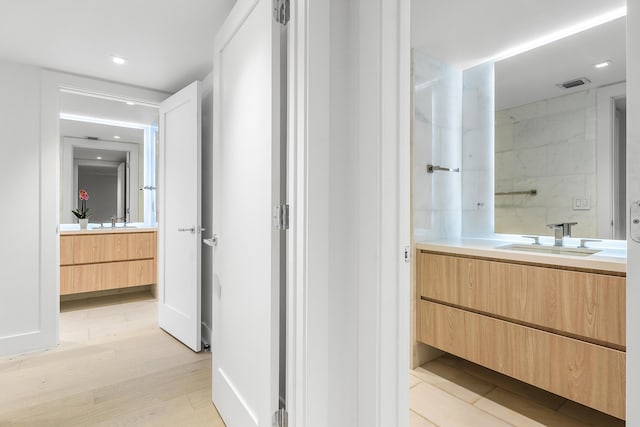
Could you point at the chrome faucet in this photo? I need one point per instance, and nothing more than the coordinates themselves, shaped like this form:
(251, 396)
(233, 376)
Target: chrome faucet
(114, 219)
(561, 230)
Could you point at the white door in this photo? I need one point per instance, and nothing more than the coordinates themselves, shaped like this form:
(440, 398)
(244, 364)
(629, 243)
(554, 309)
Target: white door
(179, 216)
(246, 187)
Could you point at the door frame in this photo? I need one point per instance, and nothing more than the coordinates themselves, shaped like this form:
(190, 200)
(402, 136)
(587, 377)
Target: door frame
(52, 84)
(605, 154)
(383, 49)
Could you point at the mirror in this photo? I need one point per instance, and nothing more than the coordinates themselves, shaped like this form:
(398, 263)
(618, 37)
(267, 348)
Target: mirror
(559, 150)
(108, 150)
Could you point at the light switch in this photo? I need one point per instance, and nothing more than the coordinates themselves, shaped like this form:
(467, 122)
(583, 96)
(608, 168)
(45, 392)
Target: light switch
(582, 203)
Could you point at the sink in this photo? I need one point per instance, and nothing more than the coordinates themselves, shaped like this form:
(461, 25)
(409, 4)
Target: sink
(550, 249)
(107, 226)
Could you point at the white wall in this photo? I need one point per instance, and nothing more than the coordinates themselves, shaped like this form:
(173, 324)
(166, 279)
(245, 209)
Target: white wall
(633, 193)
(207, 204)
(23, 260)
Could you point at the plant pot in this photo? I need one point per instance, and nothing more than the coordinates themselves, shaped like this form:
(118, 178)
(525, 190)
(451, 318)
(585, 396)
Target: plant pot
(83, 223)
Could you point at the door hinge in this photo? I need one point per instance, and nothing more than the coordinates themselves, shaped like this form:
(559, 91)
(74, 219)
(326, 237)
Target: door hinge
(280, 418)
(281, 11)
(281, 217)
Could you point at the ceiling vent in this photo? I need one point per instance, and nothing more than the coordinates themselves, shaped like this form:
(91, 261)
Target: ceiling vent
(574, 83)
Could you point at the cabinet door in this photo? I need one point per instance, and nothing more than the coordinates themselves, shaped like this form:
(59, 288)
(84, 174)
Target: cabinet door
(585, 305)
(66, 250)
(586, 373)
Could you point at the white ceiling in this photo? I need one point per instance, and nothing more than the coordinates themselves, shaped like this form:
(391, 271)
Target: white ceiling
(168, 43)
(104, 109)
(464, 33)
(534, 75)
(80, 153)
(76, 129)
(108, 109)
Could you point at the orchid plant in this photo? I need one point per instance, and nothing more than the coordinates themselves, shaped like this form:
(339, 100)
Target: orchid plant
(82, 212)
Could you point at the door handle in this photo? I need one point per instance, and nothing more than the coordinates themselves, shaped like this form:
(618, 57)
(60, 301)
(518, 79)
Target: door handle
(192, 230)
(213, 242)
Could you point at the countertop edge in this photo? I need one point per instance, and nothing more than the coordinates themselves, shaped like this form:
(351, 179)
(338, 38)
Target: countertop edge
(488, 250)
(106, 231)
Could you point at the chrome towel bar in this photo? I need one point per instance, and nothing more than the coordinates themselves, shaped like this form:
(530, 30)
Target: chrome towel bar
(515, 193)
(432, 169)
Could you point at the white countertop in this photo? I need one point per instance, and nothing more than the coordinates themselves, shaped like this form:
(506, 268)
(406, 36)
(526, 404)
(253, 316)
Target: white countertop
(95, 228)
(611, 258)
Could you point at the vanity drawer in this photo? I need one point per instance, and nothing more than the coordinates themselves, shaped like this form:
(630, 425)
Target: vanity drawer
(586, 373)
(66, 280)
(113, 247)
(113, 275)
(585, 305)
(66, 250)
(100, 248)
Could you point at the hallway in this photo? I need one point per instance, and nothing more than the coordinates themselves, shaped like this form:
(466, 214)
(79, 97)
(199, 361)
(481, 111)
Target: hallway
(114, 366)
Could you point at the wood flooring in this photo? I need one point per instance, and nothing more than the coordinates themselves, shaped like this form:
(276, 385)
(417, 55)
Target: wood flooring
(114, 367)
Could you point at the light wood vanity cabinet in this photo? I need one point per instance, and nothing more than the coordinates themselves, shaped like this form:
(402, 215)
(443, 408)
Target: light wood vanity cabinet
(100, 261)
(560, 330)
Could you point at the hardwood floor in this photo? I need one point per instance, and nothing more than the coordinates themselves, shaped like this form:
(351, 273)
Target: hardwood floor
(450, 391)
(114, 367)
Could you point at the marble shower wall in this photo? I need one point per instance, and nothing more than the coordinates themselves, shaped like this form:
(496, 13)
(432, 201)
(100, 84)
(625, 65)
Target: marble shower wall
(437, 199)
(478, 110)
(550, 146)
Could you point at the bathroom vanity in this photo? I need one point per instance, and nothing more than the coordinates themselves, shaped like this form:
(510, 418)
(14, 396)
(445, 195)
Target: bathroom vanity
(103, 259)
(551, 320)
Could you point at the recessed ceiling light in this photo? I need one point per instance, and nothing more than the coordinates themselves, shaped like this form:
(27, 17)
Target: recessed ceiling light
(116, 137)
(99, 158)
(131, 103)
(118, 60)
(602, 64)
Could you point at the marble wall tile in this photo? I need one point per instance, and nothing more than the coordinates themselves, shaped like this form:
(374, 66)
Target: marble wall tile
(521, 221)
(530, 132)
(571, 102)
(436, 140)
(565, 126)
(422, 148)
(478, 124)
(504, 137)
(572, 157)
(553, 150)
(476, 155)
(528, 111)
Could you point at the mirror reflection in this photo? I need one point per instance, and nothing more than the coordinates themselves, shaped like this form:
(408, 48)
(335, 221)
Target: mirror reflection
(108, 150)
(560, 136)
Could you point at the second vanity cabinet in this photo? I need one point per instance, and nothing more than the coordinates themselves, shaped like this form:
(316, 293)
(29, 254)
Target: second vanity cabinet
(559, 329)
(97, 260)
